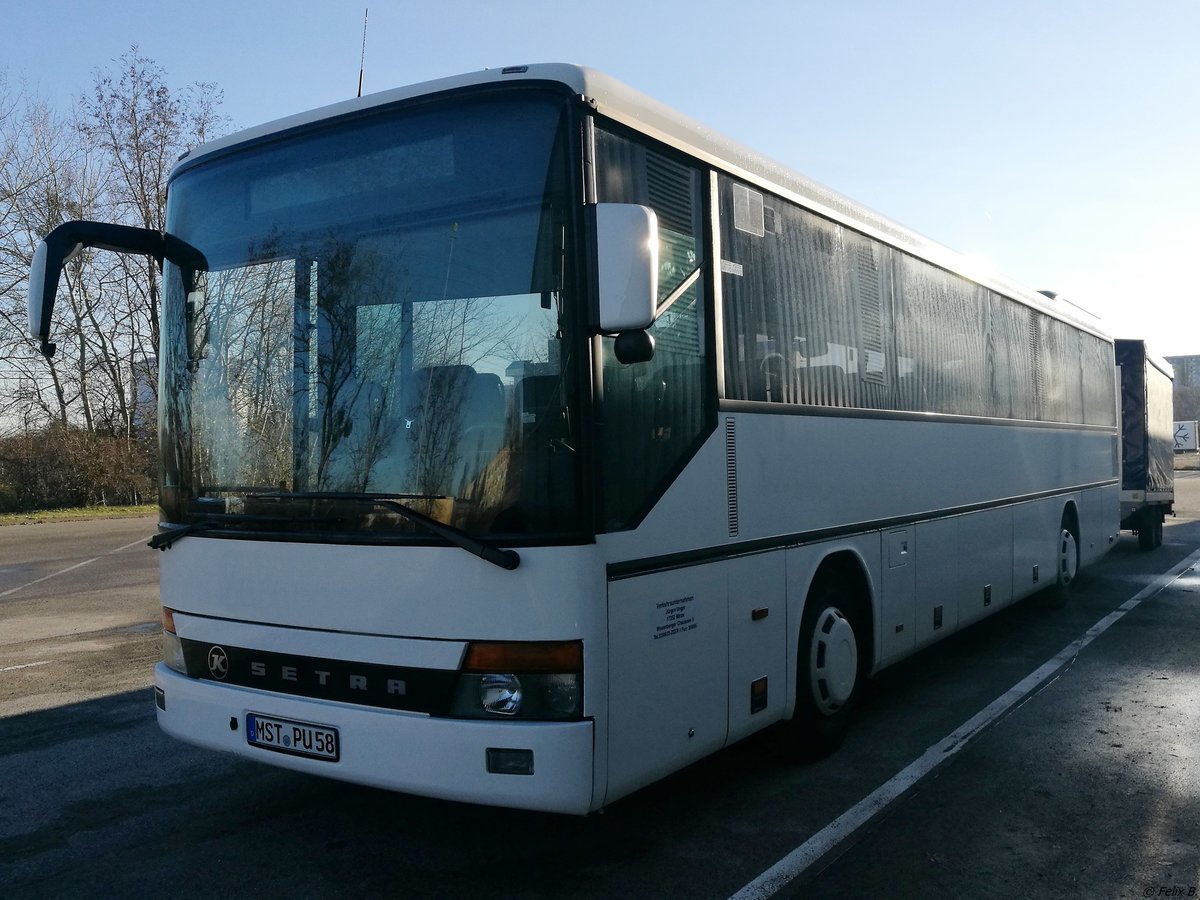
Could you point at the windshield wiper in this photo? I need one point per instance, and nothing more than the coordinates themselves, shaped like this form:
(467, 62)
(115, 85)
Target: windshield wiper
(505, 559)
(215, 521)
(164, 539)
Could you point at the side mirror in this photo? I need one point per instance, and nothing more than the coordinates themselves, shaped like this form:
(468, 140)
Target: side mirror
(66, 240)
(633, 347)
(627, 266)
(40, 302)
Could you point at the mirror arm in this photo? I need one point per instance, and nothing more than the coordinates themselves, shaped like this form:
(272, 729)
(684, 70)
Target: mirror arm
(69, 238)
(691, 278)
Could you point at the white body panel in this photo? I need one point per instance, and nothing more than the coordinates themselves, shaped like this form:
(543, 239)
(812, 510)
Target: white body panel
(671, 701)
(899, 559)
(415, 592)
(403, 606)
(936, 604)
(398, 751)
(667, 677)
(845, 471)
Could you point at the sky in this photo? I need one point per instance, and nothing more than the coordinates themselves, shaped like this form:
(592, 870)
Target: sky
(1057, 141)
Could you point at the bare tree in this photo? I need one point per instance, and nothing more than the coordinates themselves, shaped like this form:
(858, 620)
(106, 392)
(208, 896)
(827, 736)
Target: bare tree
(1187, 403)
(108, 159)
(46, 176)
(142, 127)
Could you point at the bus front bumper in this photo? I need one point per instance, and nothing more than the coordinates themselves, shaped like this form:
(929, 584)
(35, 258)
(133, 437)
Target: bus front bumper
(432, 757)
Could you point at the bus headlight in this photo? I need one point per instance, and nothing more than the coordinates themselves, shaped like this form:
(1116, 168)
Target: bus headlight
(521, 681)
(500, 694)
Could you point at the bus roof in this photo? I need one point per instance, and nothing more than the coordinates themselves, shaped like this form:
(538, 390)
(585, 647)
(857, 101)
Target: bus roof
(620, 102)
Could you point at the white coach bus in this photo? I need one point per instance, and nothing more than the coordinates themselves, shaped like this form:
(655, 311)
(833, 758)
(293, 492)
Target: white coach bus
(523, 441)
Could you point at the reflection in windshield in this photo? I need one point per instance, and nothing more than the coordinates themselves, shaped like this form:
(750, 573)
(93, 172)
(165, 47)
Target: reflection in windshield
(413, 350)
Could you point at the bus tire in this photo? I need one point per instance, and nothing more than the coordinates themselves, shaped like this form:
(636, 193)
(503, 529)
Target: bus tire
(831, 666)
(1066, 560)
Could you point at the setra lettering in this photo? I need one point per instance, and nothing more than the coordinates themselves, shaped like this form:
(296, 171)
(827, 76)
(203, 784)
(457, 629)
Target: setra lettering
(293, 673)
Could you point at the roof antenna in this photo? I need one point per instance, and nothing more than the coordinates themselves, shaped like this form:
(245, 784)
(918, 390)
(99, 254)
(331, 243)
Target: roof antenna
(363, 59)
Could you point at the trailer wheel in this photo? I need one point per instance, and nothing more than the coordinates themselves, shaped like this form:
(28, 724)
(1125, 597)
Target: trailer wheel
(1150, 530)
(1145, 535)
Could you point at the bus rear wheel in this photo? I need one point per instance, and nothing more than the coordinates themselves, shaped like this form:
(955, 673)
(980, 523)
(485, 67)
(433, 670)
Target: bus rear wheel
(1067, 563)
(1068, 558)
(830, 668)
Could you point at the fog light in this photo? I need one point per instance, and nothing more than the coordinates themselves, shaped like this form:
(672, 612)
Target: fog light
(160, 698)
(500, 694)
(505, 761)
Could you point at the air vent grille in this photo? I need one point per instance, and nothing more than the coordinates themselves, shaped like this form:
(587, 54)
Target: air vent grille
(731, 475)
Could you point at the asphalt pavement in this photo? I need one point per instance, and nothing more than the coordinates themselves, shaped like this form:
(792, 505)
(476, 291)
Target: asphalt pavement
(1090, 787)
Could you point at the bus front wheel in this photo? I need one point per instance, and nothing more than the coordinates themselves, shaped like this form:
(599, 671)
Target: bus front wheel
(830, 668)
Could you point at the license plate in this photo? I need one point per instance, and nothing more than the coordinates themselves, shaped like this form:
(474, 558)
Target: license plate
(297, 738)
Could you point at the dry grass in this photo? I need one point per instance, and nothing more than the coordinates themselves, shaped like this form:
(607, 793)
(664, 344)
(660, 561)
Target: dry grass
(40, 516)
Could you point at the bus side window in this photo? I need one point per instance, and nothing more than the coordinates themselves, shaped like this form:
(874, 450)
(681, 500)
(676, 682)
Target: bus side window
(654, 413)
(807, 306)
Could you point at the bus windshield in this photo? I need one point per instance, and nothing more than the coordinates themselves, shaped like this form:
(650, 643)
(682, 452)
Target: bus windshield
(381, 311)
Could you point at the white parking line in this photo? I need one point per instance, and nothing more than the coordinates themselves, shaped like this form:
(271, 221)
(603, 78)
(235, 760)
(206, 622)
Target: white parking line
(795, 863)
(44, 662)
(71, 568)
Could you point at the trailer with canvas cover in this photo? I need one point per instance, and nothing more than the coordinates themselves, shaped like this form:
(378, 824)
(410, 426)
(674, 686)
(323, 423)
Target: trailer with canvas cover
(1147, 441)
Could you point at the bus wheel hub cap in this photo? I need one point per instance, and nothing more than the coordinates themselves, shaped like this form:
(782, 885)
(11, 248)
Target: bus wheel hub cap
(833, 661)
(1068, 558)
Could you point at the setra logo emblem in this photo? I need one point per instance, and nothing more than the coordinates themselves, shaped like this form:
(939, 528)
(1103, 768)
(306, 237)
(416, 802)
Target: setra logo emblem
(218, 663)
